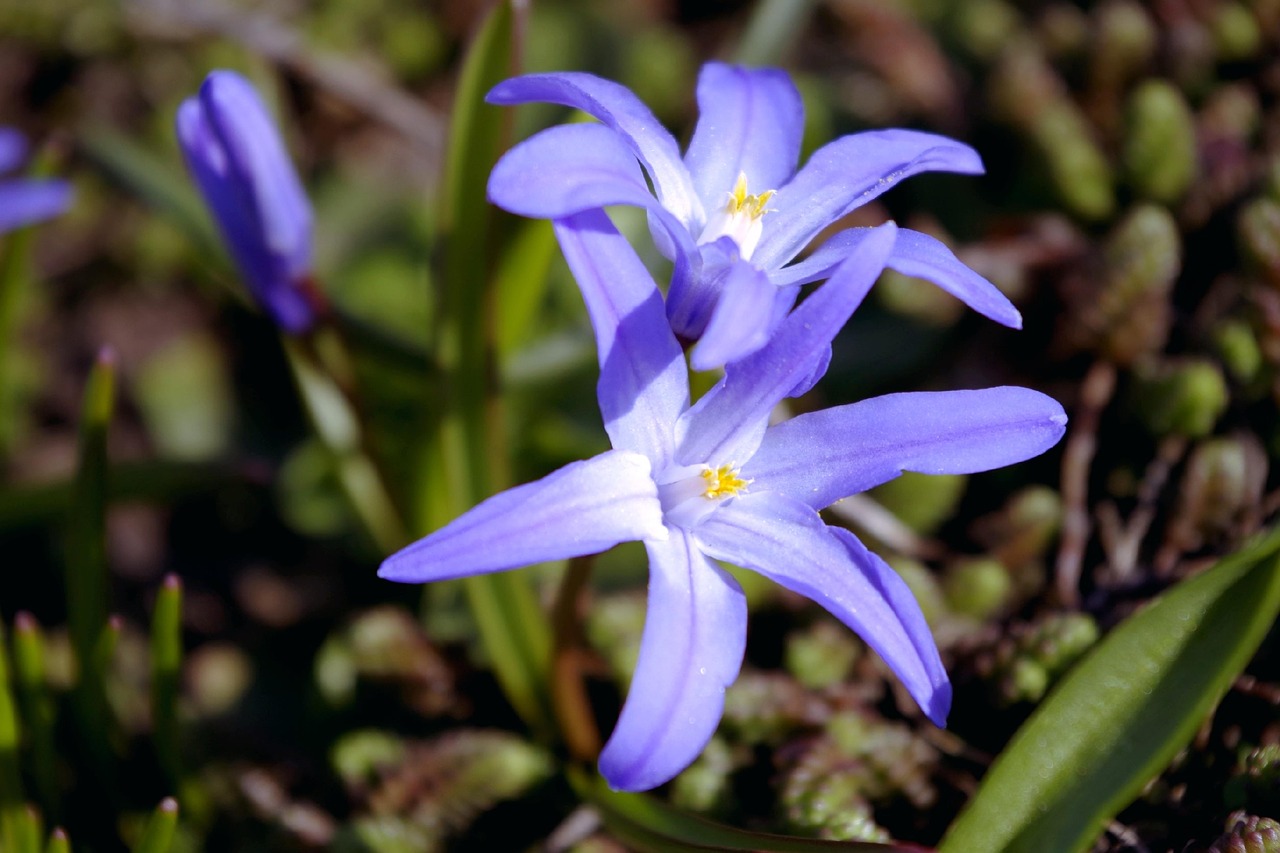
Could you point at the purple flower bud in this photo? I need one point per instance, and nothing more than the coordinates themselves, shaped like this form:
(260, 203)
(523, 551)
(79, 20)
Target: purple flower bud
(239, 162)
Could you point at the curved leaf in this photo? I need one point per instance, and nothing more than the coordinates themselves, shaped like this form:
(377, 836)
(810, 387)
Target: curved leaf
(1122, 714)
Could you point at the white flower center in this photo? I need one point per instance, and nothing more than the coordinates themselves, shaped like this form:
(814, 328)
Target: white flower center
(739, 218)
(695, 490)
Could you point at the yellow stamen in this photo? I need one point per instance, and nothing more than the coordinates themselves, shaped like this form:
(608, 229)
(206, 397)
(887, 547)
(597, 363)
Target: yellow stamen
(741, 202)
(723, 482)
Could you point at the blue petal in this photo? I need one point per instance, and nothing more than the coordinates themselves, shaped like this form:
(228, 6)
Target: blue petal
(257, 157)
(846, 174)
(617, 107)
(914, 254)
(925, 257)
(583, 508)
(271, 272)
(741, 321)
(694, 638)
(750, 121)
(13, 149)
(726, 424)
(787, 542)
(23, 202)
(643, 384)
(821, 457)
(568, 169)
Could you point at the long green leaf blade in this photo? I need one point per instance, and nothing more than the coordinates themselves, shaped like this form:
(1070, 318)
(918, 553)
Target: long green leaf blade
(11, 792)
(1122, 714)
(166, 672)
(38, 709)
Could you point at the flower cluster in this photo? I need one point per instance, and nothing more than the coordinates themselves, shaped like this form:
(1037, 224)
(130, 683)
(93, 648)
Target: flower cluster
(239, 162)
(712, 480)
(24, 201)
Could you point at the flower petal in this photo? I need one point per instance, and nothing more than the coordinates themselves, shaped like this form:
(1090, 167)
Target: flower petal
(583, 508)
(726, 424)
(13, 148)
(258, 159)
(694, 638)
(232, 207)
(643, 383)
(568, 169)
(820, 457)
(617, 107)
(787, 542)
(750, 121)
(846, 174)
(23, 202)
(741, 320)
(922, 256)
(914, 254)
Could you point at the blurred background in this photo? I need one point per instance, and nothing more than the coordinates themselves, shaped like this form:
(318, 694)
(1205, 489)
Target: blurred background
(1131, 210)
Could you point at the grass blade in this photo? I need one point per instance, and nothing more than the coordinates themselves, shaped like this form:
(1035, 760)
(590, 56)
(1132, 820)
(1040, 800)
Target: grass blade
(166, 673)
(38, 709)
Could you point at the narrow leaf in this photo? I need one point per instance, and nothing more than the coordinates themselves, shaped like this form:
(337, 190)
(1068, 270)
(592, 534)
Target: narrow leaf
(1123, 712)
(58, 842)
(158, 836)
(11, 792)
(166, 671)
(38, 709)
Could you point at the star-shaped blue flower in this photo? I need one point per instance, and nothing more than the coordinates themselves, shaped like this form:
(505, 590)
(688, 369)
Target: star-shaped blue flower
(734, 211)
(713, 481)
(240, 164)
(24, 201)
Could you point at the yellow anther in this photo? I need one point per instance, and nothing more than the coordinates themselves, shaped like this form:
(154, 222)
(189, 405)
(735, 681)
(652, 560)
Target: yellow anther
(741, 202)
(723, 482)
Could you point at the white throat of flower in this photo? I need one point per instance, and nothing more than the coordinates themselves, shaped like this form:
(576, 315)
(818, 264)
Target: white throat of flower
(695, 490)
(740, 218)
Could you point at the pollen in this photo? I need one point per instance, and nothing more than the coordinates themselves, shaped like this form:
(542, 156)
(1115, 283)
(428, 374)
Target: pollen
(723, 482)
(741, 202)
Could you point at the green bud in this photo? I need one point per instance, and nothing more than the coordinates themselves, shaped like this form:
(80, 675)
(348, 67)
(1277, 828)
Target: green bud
(1125, 39)
(1180, 397)
(1160, 142)
(1077, 167)
(1258, 227)
(706, 786)
(979, 587)
(984, 27)
(1236, 35)
(822, 655)
(1224, 478)
(921, 501)
(1141, 258)
(1237, 346)
(1248, 834)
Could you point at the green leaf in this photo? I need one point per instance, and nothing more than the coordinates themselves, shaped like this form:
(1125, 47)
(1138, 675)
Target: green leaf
(158, 836)
(58, 842)
(38, 708)
(166, 672)
(1124, 711)
(467, 458)
(11, 791)
(773, 28)
(87, 588)
(643, 822)
(155, 181)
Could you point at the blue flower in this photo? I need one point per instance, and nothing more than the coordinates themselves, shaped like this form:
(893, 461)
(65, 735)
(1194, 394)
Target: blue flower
(240, 164)
(713, 481)
(734, 212)
(24, 201)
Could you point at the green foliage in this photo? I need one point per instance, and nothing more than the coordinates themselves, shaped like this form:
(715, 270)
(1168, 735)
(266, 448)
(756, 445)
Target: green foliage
(1124, 711)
